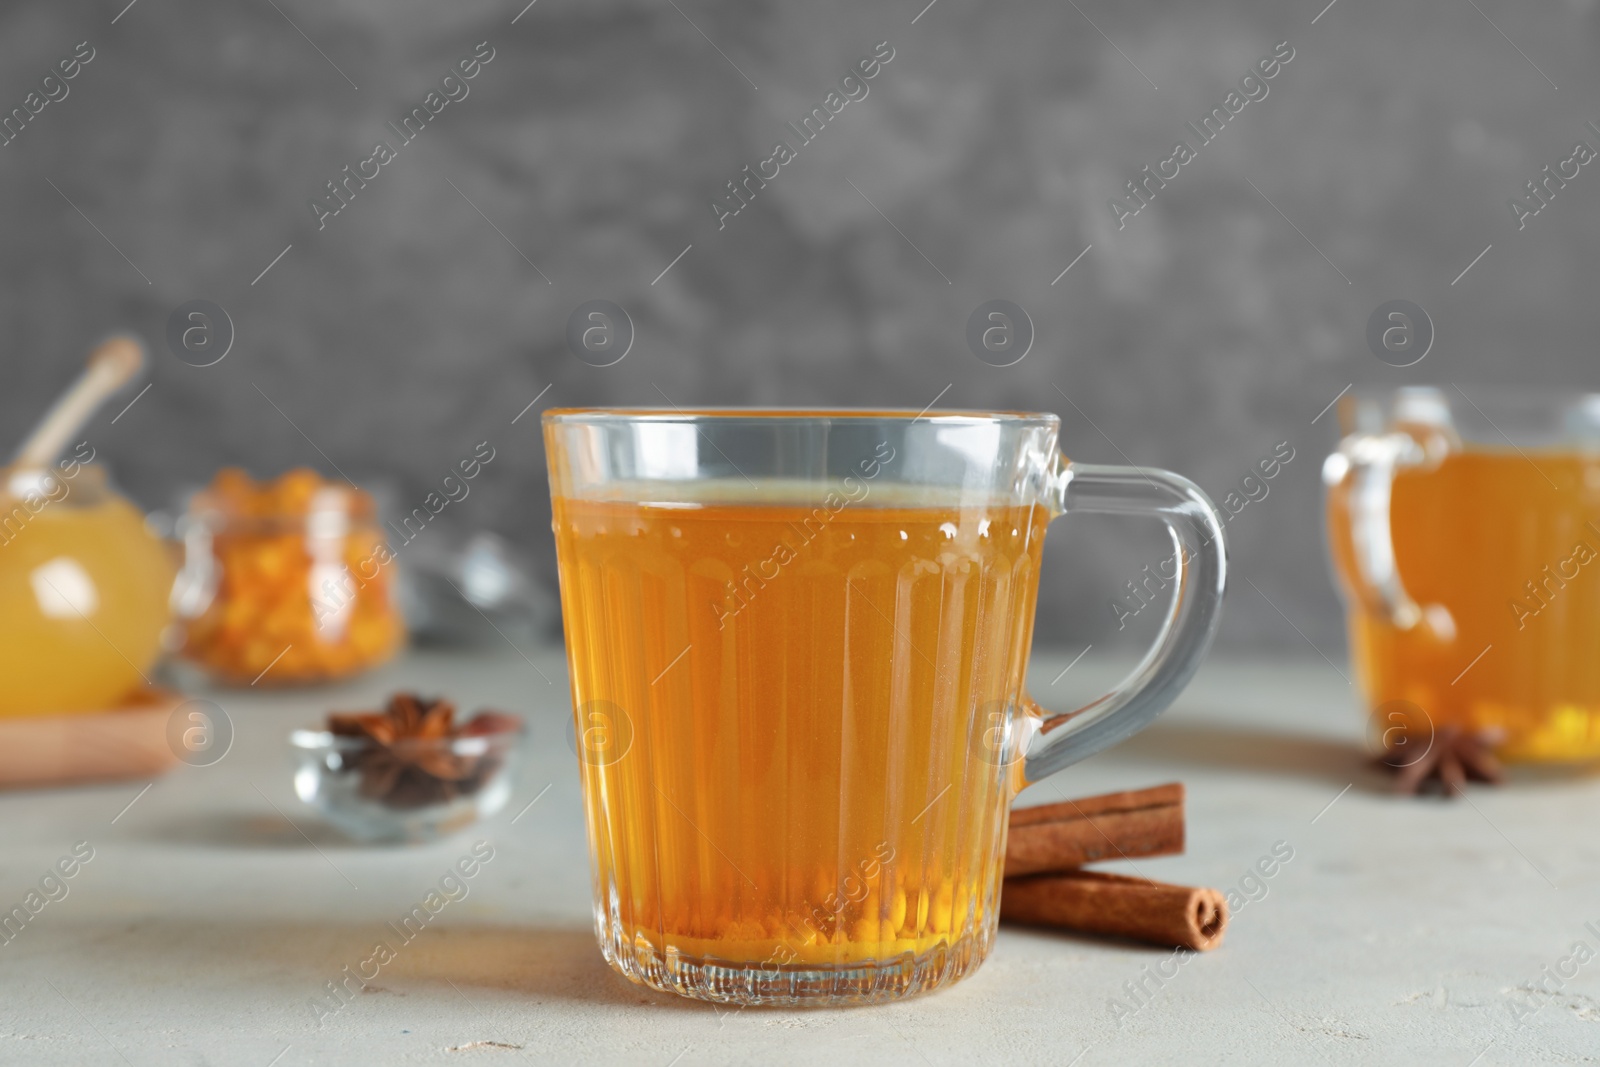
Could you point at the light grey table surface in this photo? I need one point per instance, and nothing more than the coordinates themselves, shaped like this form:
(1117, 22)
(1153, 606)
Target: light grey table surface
(217, 906)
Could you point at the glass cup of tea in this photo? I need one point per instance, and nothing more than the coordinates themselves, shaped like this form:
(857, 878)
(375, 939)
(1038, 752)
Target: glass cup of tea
(1465, 533)
(797, 642)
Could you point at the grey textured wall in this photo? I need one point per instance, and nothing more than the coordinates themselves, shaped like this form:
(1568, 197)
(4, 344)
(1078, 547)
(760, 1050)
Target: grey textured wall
(415, 322)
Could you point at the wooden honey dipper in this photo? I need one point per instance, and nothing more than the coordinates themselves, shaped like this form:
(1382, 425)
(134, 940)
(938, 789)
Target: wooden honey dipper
(113, 364)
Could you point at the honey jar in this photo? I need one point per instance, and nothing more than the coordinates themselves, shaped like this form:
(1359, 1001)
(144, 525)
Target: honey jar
(83, 591)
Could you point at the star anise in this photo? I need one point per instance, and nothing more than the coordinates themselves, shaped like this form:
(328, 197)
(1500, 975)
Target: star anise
(408, 760)
(1451, 758)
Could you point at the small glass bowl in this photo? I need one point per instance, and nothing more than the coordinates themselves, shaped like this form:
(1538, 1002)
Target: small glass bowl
(412, 791)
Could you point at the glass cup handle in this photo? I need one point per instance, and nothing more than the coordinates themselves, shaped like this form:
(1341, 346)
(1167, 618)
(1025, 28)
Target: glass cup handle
(1360, 477)
(1199, 579)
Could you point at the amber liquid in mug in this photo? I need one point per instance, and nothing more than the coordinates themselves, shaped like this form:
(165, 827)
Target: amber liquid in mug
(1516, 560)
(781, 714)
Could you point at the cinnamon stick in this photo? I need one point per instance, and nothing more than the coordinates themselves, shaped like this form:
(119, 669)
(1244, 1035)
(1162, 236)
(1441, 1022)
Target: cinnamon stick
(1061, 837)
(1092, 902)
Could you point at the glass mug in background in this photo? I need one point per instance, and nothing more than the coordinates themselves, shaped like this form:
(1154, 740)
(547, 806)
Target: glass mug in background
(1466, 536)
(797, 642)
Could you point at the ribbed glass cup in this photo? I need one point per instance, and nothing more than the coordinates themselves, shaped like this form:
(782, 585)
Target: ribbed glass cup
(1465, 532)
(797, 642)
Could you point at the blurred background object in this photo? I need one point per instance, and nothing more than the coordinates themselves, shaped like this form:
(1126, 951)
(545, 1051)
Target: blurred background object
(83, 580)
(285, 582)
(1461, 527)
(83, 599)
(476, 593)
(581, 161)
(410, 772)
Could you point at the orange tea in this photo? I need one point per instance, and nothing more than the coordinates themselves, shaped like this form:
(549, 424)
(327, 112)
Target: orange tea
(779, 704)
(1502, 550)
(796, 642)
